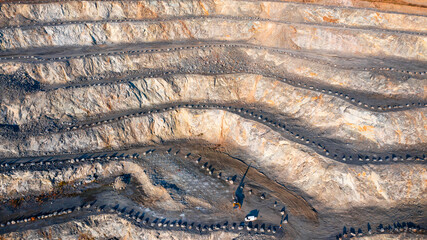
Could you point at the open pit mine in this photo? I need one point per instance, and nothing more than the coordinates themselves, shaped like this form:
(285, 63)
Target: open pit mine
(213, 119)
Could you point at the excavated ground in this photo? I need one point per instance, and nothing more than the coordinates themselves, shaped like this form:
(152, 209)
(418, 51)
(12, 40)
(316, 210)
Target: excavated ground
(168, 184)
(144, 115)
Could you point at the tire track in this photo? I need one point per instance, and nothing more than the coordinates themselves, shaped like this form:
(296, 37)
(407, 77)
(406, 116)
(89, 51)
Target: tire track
(299, 207)
(140, 217)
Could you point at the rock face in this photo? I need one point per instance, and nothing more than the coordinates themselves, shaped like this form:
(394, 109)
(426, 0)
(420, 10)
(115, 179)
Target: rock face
(145, 115)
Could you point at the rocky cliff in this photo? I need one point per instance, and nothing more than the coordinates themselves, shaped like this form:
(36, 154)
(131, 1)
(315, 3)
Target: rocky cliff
(138, 119)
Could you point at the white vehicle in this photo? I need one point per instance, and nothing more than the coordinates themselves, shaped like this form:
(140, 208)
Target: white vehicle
(250, 218)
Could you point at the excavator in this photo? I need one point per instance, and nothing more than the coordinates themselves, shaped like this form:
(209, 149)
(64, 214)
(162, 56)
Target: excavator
(238, 195)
